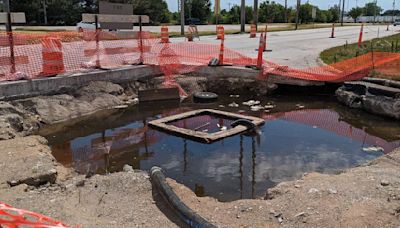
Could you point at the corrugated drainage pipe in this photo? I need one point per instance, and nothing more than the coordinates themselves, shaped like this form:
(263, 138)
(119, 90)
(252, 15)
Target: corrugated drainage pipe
(184, 212)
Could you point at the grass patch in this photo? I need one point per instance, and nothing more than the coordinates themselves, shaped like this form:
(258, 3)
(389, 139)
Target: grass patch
(348, 51)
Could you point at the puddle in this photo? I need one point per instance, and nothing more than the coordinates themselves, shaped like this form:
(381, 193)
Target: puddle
(301, 134)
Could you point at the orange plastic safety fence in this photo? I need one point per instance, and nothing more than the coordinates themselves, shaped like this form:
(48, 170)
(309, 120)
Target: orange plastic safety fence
(13, 218)
(99, 49)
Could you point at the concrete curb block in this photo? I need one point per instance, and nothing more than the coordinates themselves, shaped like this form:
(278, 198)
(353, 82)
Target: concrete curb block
(184, 212)
(11, 90)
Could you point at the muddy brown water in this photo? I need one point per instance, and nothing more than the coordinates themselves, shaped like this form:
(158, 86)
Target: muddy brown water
(301, 134)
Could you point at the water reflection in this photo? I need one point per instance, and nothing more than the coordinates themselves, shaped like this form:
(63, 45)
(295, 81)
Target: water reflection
(324, 137)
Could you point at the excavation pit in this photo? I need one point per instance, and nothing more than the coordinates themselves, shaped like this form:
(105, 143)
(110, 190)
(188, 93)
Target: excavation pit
(204, 125)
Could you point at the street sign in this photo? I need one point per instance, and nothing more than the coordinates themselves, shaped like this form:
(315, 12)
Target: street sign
(110, 18)
(15, 18)
(314, 13)
(116, 9)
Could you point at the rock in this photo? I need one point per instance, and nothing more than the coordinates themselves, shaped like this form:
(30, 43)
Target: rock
(313, 190)
(41, 169)
(127, 168)
(280, 219)
(332, 191)
(102, 87)
(80, 183)
(240, 86)
(385, 182)
(297, 186)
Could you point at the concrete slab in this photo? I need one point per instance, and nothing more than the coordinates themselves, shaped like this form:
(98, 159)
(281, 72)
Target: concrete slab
(26, 160)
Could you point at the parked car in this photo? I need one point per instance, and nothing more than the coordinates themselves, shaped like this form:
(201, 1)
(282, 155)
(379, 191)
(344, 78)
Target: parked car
(193, 21)
(396, 22)
(80, 26)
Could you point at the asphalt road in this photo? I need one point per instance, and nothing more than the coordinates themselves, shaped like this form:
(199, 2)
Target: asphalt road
(299, 49)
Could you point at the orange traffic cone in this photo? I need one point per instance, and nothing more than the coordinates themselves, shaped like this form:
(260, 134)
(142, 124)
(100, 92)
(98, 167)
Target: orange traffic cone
(360, 38)
(260, 52)
(333, 31)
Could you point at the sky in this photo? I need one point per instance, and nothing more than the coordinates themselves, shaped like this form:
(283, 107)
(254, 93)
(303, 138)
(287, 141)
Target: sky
(322, 4)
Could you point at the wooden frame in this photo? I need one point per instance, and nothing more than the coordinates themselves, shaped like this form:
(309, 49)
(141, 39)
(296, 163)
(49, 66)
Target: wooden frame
(203, 136)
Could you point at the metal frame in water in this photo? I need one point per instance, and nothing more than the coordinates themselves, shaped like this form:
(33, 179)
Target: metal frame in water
(200, 136)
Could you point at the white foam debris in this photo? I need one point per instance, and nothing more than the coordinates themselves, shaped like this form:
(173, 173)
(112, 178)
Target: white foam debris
(251, 102)
(224, 128)
(234, 95)
(373, 149)
(256, 108)
(269, 106)
(233, 104)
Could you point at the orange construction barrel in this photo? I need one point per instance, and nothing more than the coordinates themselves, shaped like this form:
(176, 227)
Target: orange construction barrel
(52, 56)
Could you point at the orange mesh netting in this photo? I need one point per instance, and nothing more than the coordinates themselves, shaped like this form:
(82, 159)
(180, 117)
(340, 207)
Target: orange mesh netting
(13, 218)
(80, 51)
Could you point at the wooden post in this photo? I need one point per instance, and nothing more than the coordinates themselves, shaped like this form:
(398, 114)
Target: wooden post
(96, 22)
(10, 36)
(140, 41)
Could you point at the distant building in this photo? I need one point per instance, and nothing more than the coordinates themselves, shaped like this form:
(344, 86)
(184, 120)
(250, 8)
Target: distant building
(371, 19)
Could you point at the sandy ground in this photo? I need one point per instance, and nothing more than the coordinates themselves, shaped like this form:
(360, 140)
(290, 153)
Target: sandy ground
(367, 196)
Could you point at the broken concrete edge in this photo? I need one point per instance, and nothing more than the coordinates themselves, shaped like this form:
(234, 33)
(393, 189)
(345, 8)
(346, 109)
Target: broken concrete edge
(379, 105)
(184, 212)
(10, 90)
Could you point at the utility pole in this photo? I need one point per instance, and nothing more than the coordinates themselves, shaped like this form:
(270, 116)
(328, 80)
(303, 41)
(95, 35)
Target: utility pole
(286, 16)
(182, 17)
(7, 9)
(340, 10)
(394, 8)
(45, 12)
(255, 13)
(341, 23)
(297, 13)
(375, 13)
(243, 16)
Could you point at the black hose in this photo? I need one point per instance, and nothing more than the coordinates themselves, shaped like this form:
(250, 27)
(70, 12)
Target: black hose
(187, 215)
(247, 123)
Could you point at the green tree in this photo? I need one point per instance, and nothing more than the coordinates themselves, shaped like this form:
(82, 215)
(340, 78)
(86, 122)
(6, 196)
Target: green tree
(200, 9)
(306, 13)
(371, 9)
(271, 12)
(249, 14)
(355, 13)
(335, 12)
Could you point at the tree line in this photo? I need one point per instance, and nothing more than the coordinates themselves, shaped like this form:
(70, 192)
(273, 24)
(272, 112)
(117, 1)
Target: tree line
(68, 12)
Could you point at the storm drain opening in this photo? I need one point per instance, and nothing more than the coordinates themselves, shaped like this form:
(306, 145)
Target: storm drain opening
(205, 125)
